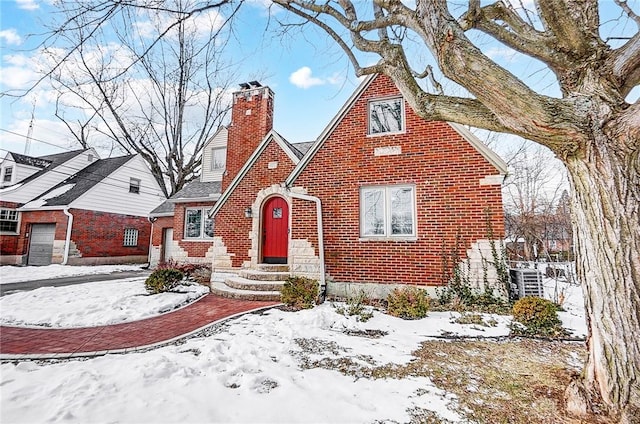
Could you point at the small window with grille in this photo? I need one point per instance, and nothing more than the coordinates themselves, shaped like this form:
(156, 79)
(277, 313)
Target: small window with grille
(130, 237)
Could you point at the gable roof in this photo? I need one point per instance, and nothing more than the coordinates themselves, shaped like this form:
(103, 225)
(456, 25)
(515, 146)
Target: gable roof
(271, 135)
(329, 129)
(53, 162)
(475, 142)
(30, 160)
(78, 184)
(197, 190)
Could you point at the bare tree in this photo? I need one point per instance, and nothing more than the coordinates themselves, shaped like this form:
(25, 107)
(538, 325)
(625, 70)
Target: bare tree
(589, 126)
(151, 79)
(531, 191)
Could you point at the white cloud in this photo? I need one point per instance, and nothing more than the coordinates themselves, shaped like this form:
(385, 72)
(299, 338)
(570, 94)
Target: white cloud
(303, 78)
(10, 36)
(27, 4)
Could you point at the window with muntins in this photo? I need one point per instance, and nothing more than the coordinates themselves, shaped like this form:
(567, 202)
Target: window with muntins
(388, 211)
(218, 159)
(130, 237)
(8, 221)
(386, 116)
(197, 224)
(8, 174)
(134, 185)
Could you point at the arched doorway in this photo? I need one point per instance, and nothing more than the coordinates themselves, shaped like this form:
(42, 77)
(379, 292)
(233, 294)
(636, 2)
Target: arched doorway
(275, 230)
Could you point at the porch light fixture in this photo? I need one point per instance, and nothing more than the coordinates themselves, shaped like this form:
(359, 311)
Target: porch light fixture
(248, 212)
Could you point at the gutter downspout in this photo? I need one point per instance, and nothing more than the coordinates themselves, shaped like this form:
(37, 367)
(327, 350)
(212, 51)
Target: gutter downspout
(67, 242)
(320, 235)
(152, 221)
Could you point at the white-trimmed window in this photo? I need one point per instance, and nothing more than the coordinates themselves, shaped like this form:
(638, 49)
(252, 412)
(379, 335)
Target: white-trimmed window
(197, 224)
(386, 116)
(130, 237)
(9, 221)
(8, 174)
(218, 158)
(388, 211)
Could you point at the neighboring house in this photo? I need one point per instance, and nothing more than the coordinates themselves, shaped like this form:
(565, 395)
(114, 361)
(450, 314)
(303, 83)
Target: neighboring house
(75, 208)
(381, 198)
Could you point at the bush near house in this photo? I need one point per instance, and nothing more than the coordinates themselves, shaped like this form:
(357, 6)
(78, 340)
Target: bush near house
(299, 293)
(535, 316)
(408, 303)
(163, 280)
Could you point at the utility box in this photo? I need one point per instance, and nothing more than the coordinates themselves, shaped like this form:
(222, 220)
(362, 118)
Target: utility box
(526, 282)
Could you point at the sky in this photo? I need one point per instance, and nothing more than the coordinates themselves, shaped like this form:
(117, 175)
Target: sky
(310, 76)
(249, 369)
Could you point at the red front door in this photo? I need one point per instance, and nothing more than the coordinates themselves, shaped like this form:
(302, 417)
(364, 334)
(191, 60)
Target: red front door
(275, 231)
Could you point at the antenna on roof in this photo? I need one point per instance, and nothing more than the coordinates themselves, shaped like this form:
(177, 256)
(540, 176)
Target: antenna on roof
(27, 145)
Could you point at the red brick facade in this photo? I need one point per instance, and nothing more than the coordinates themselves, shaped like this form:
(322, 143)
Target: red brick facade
(446, 172)
(96, 237)
(230, 222)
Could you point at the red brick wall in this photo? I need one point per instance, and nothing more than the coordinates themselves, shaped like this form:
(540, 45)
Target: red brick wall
(230, 222)
(8, 242)
(95, 234)
(247, 131)
(445, 170)
(101, 234)
(195, 249)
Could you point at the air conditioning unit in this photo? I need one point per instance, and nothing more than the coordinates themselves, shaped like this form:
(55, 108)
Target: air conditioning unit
(526, 282)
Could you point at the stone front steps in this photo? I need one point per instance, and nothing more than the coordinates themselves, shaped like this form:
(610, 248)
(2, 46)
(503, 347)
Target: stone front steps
(263, 283)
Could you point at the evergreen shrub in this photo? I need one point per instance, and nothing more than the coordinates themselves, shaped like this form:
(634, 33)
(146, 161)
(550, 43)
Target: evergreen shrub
(408, 302)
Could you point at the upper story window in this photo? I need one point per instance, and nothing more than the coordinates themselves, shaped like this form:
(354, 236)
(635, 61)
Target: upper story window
(9, 221)
(387, 211)
(218, 158)
(130, 237)
(386, 116)
(197, 224)
(8, 174)
(134, 185)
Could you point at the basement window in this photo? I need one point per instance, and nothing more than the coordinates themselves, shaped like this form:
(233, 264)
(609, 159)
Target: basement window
(388, 212)
(9, 219)
(130, 237)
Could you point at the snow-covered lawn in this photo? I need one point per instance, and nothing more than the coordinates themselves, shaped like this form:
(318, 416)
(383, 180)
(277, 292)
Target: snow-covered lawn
(17, 274)
(92, 304)
(255, 368)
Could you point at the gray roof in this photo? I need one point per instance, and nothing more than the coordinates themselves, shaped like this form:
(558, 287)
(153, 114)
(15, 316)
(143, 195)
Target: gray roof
(84, 180)
(54, 161)
(303, 147)
(165, 208)
(197, 190)
(30, 160)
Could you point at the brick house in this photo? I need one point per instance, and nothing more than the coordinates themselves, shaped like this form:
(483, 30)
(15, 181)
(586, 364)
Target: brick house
(379, 199)
(75, 208)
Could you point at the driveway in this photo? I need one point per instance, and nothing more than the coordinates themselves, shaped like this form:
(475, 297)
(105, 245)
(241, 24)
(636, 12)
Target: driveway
(66, 281)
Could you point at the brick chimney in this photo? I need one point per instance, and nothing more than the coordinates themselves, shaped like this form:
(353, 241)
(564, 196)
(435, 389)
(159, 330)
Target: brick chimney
(251, 120)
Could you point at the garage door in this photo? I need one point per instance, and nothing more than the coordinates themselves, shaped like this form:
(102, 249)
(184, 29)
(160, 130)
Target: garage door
(41, 244)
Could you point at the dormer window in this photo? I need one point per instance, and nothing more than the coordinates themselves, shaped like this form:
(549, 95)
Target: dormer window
(8, 174)
(386, 116)
(134, 185)
(218, 159)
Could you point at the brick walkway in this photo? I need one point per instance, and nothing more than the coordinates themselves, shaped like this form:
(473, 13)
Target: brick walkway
(34, 343)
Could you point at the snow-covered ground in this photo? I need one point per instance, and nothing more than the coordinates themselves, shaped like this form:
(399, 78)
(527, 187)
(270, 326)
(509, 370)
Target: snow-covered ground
(250, 370)
(91, 304)
(18, 274)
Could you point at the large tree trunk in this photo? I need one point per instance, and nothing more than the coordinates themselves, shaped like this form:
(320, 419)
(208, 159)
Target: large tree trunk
(606, 220)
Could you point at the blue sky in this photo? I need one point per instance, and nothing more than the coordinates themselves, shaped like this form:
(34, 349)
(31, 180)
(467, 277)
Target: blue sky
(310, 76)
(310, 84)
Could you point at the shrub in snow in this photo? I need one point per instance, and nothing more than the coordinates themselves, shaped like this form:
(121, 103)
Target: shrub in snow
(408, 303)
(536, 316)
(163, 280)
(357, 305)
(299, 292)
